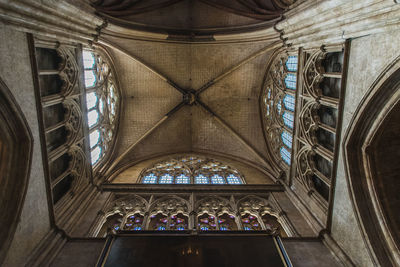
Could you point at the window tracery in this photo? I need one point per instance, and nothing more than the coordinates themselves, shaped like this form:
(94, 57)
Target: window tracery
(102, 102)
(278, 106)
(191, 169)
(201, 213)
(321, 90)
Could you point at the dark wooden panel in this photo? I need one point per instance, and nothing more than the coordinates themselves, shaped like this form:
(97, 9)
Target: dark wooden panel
(199, 250)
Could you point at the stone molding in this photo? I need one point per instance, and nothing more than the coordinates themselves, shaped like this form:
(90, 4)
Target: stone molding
(16, 146)
(53, 19)
(312, 22)
(383, 94)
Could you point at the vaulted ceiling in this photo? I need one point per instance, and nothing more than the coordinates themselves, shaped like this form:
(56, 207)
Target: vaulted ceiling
(189, 96)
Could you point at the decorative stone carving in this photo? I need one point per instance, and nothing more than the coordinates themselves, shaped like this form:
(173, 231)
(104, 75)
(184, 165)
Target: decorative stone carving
(68, 71)
(211, 212)
(305, 166)
(312, 75)
(308, 122)
(73, 122)
(128, 205)
(214, 206)
(170, 205)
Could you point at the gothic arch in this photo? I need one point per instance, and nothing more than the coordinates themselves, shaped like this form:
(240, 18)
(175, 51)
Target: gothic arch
(371, 168)
(16, 144)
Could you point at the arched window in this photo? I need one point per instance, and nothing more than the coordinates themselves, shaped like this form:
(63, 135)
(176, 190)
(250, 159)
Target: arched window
(250, 222)
(279, 106)
(191, 170)
(134, 222)
(102, 102)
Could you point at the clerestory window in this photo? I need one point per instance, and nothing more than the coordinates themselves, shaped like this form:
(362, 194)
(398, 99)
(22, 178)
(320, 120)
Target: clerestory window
(191, 170)
(102, 102)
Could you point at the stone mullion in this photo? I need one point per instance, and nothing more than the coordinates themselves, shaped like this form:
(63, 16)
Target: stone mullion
(61, 150)
(145, 220)
(328, 101)
(192, 213)
(323, 152)
(55, 127)
(327, 128)
(322, 177)
(238, 220)
(60, 178)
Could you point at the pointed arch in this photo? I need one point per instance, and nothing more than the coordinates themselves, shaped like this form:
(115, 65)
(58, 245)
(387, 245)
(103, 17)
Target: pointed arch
(16, 144)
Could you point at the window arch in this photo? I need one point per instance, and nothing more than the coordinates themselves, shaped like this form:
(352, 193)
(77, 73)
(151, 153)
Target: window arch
(102, 102)
(278, 106)
(191, 169)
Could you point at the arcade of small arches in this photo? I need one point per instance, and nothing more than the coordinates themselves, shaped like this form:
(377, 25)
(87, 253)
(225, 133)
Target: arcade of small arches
(204, 213)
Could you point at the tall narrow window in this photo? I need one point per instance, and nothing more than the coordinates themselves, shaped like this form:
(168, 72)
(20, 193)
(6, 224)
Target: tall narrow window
(102, 103)
(279, 102)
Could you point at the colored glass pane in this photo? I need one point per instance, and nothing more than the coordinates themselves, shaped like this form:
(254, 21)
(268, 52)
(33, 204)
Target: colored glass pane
(285, 155)
(233, 179)
(207, 222)
(150, 179)
(93, 117)
(288, 119)
(289, 102)
(182, 179)
(94, 138)
(88, 60)
(134, 222)
(91, 100)
(201, 179)
(291, 63)
(178, 222)
(90, 78)
(158, 222)
(287, 138)
(166, 179)
(227, 222)
(250, 222)
(217, 179)
(290, 81)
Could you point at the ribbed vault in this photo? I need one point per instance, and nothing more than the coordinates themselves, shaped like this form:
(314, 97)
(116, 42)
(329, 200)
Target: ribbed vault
(180, 97)
(183, 15)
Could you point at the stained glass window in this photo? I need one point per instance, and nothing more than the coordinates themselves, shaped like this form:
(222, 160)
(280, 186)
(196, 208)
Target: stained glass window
(280, 124)
(150, 179)
(291, 63)
(217, 179)
(94, 138)
(101, 102)
(182, 179)
(134, 222)
(287, 138)
(279, 106)
(166, 179)
(226, 222)
(285, 154)
(178, 222)
(233, 179)
(289, 102)
(191, 169)
(158, 222)
(290, 81)
(250, 223)
(288, 119)
(207, 222)
(201, 179)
